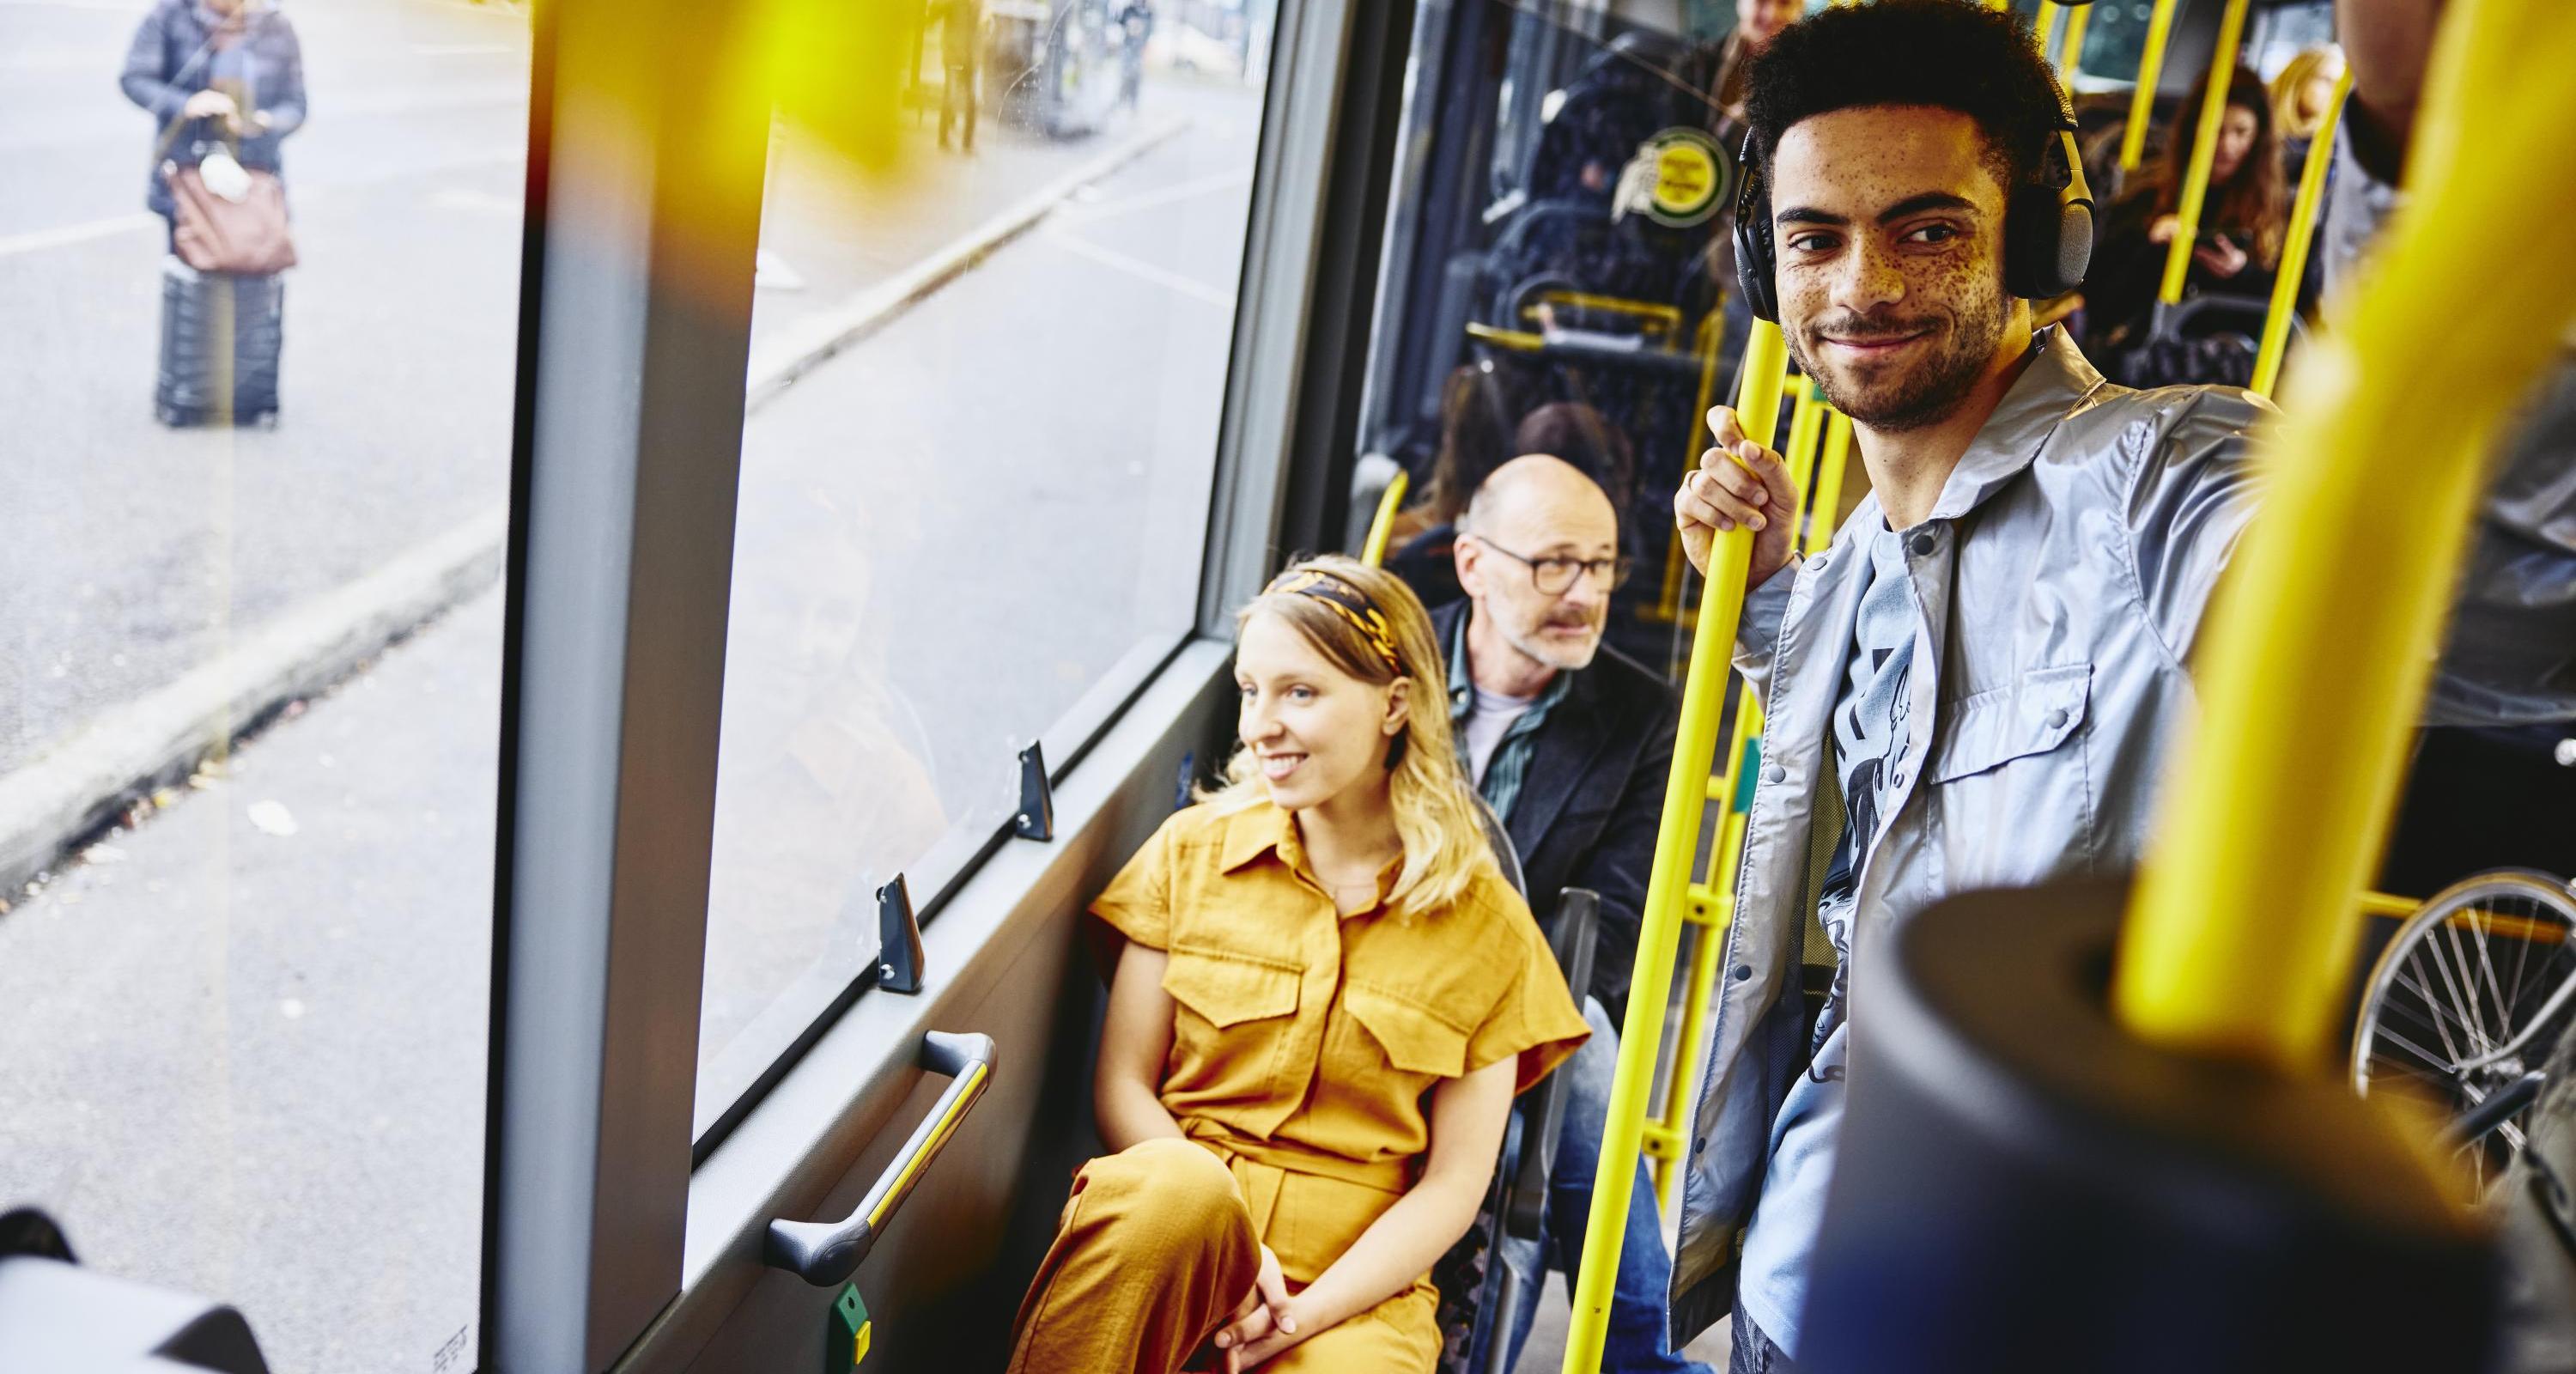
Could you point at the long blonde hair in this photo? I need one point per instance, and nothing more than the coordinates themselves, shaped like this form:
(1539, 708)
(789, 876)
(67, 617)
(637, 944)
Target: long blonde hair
(2289, 89)
(1436, 818)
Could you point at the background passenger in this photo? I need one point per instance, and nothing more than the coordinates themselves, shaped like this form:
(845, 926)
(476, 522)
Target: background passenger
(1479, 410)
(1570, 742)
(2301, 94)
(1327, 999)
(2242, 222)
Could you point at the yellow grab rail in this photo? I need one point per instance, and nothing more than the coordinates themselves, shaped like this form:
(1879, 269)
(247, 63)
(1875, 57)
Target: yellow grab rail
(2071, 43)
(1668, 886)
(2142, 100)
(1382, 524)
(2294, 249)
(1712, 902)
(2204, 151)
(2046, 25)
(1826, 510)
(1712, 332)
(2314, 663)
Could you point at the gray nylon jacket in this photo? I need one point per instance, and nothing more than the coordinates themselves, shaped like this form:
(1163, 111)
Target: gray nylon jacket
(2062, 578)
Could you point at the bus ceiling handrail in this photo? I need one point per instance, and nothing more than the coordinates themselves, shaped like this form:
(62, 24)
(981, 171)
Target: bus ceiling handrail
(2294, 249)
(1668, 882)
(824, 1253)
(2314, 665)
(2204, 151)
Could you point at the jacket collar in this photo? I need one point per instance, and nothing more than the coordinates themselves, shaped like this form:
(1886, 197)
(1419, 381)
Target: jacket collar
(2055, 384)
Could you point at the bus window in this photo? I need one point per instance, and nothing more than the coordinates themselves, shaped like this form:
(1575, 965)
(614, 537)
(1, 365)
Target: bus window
(984, 401)
(262, 266)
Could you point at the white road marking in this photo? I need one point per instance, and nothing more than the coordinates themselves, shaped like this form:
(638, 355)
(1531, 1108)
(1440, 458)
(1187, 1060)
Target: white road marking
(1137, 267)
(1146, 200)
(69, 234)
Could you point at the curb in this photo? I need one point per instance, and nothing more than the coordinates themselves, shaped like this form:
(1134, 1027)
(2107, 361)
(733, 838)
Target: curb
(80, 785)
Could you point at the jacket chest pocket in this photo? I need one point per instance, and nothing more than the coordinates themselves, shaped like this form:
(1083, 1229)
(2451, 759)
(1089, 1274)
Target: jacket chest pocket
(2010, 771)
(1413, 1039)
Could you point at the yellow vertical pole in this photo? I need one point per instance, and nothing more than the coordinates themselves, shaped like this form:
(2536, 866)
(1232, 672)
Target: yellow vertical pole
(2046, 25)
(1827, 506)
(1667, 889)
(2204, 152)
(2071, 43)
(1382, 524)
(2142, 101)
(1712, 903)
(1711, 332)
(2294, 249)
(2313, 666)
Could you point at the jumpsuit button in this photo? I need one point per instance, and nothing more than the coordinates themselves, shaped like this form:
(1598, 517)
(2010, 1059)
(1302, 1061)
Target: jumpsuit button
(1922, 543)
(2057, 718)
(1774, 774)
(1818, 562)
(1743, 971)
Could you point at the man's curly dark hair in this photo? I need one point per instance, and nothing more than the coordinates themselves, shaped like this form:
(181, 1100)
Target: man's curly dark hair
(1953, 54)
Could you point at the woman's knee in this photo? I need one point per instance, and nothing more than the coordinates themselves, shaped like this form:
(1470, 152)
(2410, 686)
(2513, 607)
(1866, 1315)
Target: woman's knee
(1167, 1190)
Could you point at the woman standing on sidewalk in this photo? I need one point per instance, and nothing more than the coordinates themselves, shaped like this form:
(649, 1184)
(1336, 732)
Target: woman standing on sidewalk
(225, 81)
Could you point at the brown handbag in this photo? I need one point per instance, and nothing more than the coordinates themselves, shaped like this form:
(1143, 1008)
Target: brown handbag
(248, 237)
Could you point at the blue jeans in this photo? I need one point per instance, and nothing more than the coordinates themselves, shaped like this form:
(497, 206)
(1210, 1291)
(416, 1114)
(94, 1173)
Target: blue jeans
(1638, 1338)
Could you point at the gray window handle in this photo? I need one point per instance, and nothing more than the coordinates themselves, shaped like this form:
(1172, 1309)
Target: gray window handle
(824, 1253)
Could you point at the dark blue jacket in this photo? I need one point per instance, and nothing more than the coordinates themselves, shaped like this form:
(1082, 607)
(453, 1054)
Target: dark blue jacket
(170, 60)
(1593, 799)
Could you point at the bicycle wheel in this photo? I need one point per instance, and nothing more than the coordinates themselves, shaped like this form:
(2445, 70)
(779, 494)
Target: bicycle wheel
(2470, 995)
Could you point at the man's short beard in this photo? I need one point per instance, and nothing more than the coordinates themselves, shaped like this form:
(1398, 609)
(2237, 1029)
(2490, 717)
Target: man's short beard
(1542, 652)
(1934, 390)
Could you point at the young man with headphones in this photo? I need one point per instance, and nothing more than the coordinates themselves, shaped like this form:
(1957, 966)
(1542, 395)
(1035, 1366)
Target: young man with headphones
(1974, 685)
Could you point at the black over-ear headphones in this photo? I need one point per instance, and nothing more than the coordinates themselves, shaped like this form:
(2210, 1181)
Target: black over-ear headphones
(2048, 227)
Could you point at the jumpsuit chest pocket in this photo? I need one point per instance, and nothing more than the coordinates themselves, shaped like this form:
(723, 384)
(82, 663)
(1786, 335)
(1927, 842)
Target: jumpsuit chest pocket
(1413, 1038)
(1227, 989)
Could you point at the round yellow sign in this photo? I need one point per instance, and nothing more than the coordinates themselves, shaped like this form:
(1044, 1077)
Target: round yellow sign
(1690, 175)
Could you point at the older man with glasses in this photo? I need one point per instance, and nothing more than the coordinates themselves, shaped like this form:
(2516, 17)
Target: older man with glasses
(1569, 741)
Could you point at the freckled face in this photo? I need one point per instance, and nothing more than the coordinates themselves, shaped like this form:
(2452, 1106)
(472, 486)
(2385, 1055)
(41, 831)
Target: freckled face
(1889, 224)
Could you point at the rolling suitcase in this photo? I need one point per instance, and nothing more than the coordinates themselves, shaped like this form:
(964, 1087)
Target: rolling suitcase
(220, 338)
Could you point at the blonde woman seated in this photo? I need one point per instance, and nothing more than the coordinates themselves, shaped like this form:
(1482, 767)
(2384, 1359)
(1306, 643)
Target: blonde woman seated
(1327, 999)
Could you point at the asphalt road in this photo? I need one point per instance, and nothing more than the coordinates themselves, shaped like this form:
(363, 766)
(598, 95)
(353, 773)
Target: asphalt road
(244, 1043)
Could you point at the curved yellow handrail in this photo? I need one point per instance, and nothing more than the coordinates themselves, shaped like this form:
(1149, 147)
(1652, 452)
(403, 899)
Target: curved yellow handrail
(1668, 887)
(2204, 151)
(2313, 666)
(2294, 249)
(1382, 524)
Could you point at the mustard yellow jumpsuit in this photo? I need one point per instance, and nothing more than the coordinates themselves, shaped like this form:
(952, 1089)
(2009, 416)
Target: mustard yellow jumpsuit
(1303, 1046)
